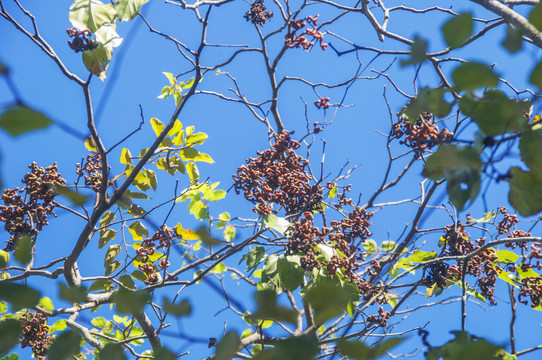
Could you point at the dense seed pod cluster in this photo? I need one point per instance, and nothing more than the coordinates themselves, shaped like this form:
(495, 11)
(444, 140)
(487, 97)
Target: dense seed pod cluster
(91, 171)
(421, 136)
(81, 40)
(532, 287)
(457, 243)
(295, 40)
(27, 215)
(322, 103)
(278, 176)
(35, 334)
(258, 13)
(148, 264)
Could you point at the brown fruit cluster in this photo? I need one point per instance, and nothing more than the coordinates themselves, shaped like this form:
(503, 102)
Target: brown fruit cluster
(294, 40)
(91, 171)
(531, 286)
(458, 243)
(258, 14)
(26, 216)
(421, 136)
(381, 319)
(35, 334)
(81, 41)
(278, 176)
(160, 240)
(322, 103)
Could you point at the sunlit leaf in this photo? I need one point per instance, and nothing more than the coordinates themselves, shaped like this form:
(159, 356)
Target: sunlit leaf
(100, 285)
(107, 35)
(290, 272)
(157, 126)
(193, 172)
(138, 230)
(46, 304)
(90, 144)
(127, 9)
(91, 14)
(4, 258)
(255, 257)
(274, 222)
(106, 236)
(97, 60)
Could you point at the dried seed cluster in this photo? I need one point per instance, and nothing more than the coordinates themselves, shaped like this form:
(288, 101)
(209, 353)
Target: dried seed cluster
(278, 176)
(294, 40)
(160, 240)
(27, 215)
(35, 334)
(91, 171)
(531, 286)
(81, 40)
(258, 13)
(421, 136)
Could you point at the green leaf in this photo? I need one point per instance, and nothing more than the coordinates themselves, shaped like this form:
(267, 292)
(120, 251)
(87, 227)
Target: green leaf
(530, 146)
(136, 210)
(427, 100)
(23, 249)
(330, 299)
(487, 217)
(112, 352)
(228, 346)
(536, 76)
(513, 41)
(388, 245)
(496, 114)
(138, 231)
(359, 351)
(290, 272)
(59, 325)
(219, 268)
(139, 275)
(107, 35)
(151, 175)
(525, 191)
(535, 16)
(19, 119)
(457, 30)
(370, 246)
(506, 256)
(129, 301)
(106, 236)
(418, 52)
(75, 294)
(461, 168)
(99, 322)
(182, 309)
(100, 285)
(46, 304)
(229, 233)
(205, 237)
(471, 76)
(164, 354)
(302, 347)
(10, 331)
(19, 296)
(269, 310)
(75, 198)
(157, 126)
(193, 172)
(97, 60)
(91, 14)
(255, 257)
(127, 281)
(274, 222)
(3, 307)
(127, 9)
(195, 139)
(111, 254)
(65, 345)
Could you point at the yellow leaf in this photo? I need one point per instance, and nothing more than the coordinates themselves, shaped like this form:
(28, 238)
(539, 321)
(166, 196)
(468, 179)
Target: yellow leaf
(186, 234)
(91, 145)
(125, 157)
(157, 126)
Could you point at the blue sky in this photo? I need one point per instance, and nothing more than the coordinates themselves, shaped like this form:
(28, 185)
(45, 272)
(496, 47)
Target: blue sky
(135, 78)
